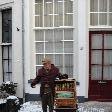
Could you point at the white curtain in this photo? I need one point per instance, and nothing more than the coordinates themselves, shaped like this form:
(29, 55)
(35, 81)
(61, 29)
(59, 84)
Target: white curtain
(108, 41)
(96, 72)
(102, 5)
(93, 5)
(39, 13)
(96, 41)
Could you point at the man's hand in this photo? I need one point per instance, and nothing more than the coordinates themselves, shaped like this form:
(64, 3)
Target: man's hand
(32, 85)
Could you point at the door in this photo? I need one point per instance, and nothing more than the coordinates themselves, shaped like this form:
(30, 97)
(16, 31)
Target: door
(100, 66)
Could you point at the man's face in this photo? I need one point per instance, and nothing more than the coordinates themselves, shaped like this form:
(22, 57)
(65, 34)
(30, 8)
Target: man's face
(47, 65)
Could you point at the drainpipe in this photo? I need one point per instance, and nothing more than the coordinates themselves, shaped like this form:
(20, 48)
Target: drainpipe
(23, 66)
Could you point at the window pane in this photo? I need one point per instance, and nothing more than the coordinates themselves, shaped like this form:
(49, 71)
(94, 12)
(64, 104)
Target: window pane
(39, 13)
(110, 19)
(58, 20)
(58, 13)
(68, 34)
(39, 35)
(69, 64)
(103, 19)
(39, 47)
(49, 47)
(5, 66)
(68, 13)
(38, 21)
(107, 73)
(38, 9)
(49, 41)
(96, 72)
(59, 60)
(48, 20)
(59, 47)
(68, 6)
(10, 66)
(93, 5)
(49, 35)
(68, 47)
(7, 26)
(5, 52)
(103, 5)
(107, 41)
(108, 57)
(69, 60)
(68, 19)
(96, 57)
(58, 37)
(48, 13)
(93, 19)
(39, 59)
(10, 52)
(110, 5)
(96, 41)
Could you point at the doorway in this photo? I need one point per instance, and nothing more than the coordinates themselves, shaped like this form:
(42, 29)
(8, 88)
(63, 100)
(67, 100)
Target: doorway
(100, 65)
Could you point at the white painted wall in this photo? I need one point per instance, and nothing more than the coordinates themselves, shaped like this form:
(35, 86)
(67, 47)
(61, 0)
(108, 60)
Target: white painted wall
(29, 48)
(16, 6)
(28, 43)
(17, 46)
(83, 48)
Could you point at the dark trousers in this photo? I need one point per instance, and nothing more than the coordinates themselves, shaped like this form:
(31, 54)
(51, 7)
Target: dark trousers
(47, 100)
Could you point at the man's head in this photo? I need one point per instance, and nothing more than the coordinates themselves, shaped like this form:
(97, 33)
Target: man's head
(47, 63)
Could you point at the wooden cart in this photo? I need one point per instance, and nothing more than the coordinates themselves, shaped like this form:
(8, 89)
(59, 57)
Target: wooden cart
(65, 99)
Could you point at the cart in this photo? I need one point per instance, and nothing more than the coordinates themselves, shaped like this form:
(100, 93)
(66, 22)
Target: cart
(65, 99)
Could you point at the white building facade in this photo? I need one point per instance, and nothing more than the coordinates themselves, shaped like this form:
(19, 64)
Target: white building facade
(61, 30)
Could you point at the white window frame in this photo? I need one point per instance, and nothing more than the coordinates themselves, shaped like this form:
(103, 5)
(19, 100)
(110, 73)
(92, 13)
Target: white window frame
(61, 27)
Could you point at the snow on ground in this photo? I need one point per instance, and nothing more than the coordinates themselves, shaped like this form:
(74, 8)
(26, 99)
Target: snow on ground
(34, 106)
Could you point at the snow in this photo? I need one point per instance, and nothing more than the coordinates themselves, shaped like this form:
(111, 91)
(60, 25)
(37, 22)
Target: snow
(12, 97)
(31, 107)
(3, 101)
(35, 106)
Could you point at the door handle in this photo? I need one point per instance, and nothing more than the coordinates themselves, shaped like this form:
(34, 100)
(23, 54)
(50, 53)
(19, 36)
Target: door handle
(102, 82)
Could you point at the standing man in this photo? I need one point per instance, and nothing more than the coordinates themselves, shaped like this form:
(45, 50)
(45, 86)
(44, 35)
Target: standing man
(46, 76)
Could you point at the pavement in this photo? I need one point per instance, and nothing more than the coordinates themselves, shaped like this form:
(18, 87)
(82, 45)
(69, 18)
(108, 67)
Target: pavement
(95, 106)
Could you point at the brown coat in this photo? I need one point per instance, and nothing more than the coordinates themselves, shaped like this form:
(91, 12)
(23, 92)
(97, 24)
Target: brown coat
(46, 78)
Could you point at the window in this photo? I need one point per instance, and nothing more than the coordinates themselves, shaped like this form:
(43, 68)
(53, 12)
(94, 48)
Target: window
(100, 12)
(54, 33)
(6, 44)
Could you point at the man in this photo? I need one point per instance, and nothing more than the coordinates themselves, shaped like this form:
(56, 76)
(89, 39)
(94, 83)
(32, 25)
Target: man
(46, 76)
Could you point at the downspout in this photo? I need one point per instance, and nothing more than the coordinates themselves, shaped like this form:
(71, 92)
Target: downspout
(23, 67)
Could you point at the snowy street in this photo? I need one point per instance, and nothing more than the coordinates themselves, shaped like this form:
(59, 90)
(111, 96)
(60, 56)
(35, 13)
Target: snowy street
(92, 106)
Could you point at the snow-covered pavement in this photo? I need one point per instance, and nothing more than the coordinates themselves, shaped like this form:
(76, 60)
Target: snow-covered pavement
(93, 106)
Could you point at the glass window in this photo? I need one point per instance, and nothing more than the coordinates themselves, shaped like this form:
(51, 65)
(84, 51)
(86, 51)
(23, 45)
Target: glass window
(7, 26)
(99, 12)
(7, 48)
(55, 40)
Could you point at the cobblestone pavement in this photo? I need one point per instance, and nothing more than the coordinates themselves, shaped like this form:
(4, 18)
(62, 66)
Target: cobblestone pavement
(94, 106)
